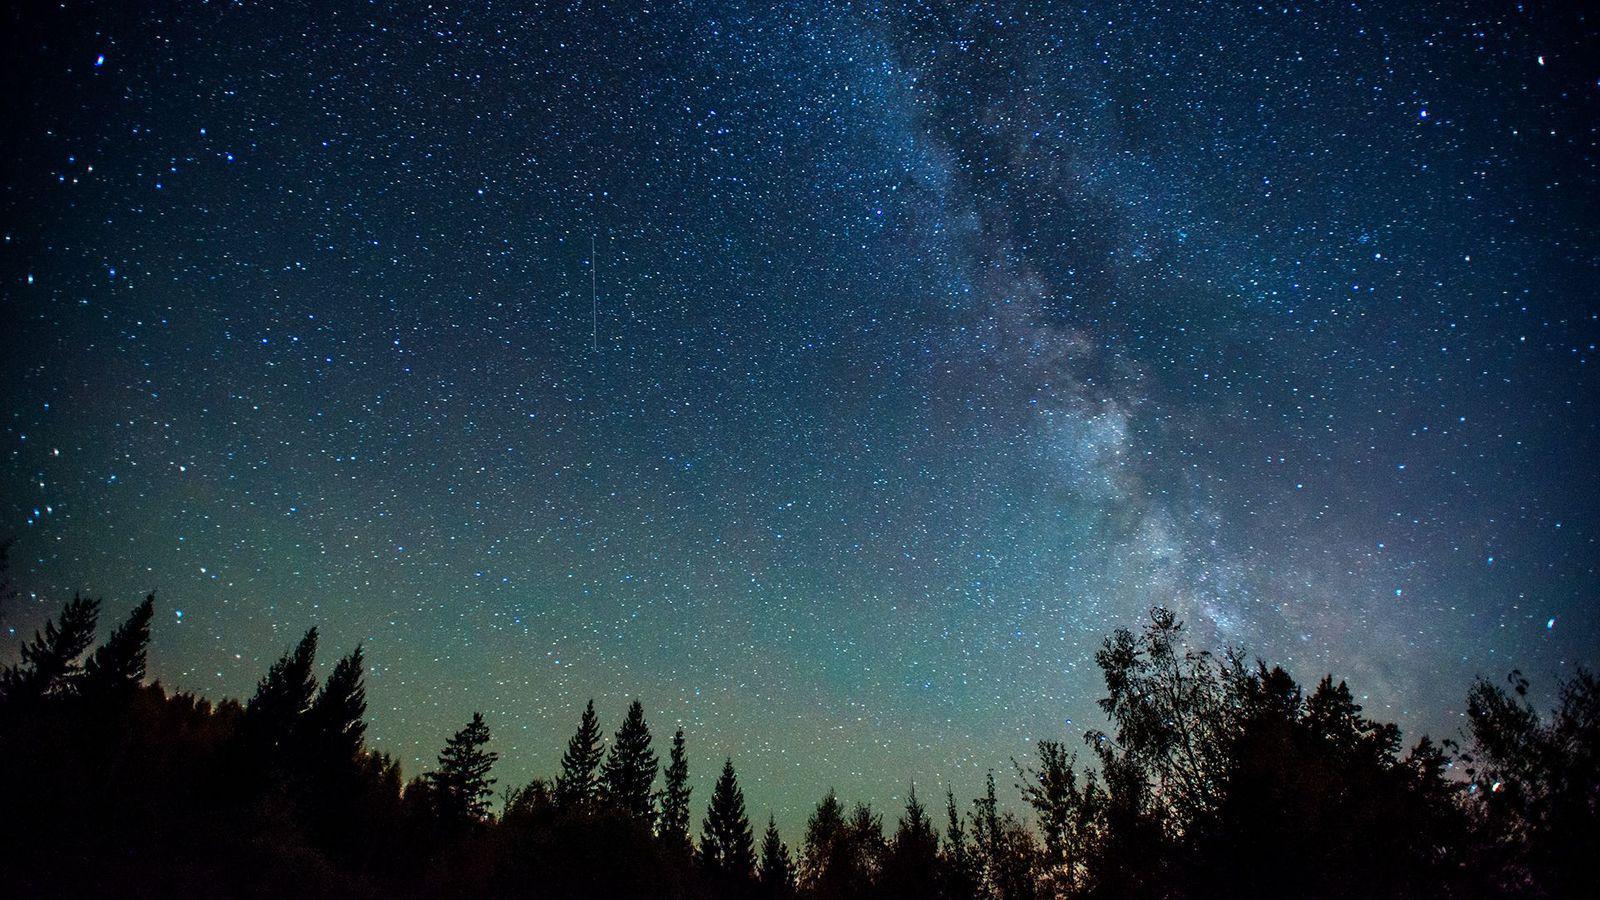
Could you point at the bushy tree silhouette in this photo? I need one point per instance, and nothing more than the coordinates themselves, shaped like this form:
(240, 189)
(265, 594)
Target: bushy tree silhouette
(1536, 785)
(116, 787)
(1066, 808)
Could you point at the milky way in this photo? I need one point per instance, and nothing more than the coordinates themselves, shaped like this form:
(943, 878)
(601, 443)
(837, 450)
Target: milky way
(925, 345)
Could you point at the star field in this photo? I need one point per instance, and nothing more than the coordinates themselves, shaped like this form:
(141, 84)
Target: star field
(920, 347)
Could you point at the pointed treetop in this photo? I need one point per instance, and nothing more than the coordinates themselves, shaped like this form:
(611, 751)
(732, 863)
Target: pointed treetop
(49, 663)
(579, 781)
(726, 845)
(675, 796)
(337, 714)
(776, 869)
(461, 785)
(120, 662)
(630, 769)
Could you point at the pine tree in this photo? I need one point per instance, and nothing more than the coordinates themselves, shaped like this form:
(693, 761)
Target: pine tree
(986, 835)
(726, 846)
(335, 720)
(674, 830)
(629, 772)
(119, 664)
(825, 829)
(1006, 849)
(776, 872)
(578, 784)
(49, 663)
(460, 787)
(274, 718)
(910, 868)
(866, 843)
(960, 881)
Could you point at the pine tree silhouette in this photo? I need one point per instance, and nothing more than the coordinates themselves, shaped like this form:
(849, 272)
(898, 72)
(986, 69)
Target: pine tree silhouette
(579, 782)
(49, 663)
(1270, 793)
(825, 829)
(727, 848)
(629, 771)
(776, 871)
(274, 716)
(960, 880)
(910, 867)
(335, 720)
(118, 665)
(674, 828)
(461, 786)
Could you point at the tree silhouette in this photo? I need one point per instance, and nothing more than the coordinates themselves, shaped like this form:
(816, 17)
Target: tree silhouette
(1006, 852)
(629, 771)
(579, 782)
(911, 865)
(335, 718)
(49, 663)
(273, 719)
(776, 870)
(1066, 812)
(819, 874)
(843, 855)
(958, 867)
(1170, 706)
(727, 849)
(461, 786)
(675, 797)
(867, 844)
(1536, 785)
(118, 665)
(116, 787)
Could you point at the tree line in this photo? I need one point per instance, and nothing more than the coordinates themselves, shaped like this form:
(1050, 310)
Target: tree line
(1217, 776)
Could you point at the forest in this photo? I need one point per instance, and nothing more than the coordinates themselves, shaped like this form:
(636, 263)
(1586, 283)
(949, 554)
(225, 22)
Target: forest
(1218, 775)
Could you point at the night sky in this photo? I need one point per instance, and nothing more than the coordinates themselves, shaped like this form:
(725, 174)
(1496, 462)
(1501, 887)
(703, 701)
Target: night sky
(919, 348)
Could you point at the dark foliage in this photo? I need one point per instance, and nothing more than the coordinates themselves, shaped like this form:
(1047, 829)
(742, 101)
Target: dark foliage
(727, 849)
(675, 799)
(1537, 786)
(50, 663)
(579, 781)
(911, 862)
(118, 665)
(1216, 777)
(775, 872)
(629, 771)
(461, 787)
